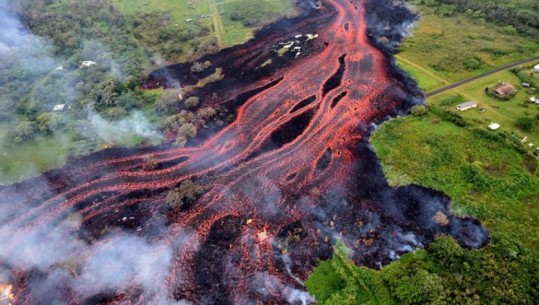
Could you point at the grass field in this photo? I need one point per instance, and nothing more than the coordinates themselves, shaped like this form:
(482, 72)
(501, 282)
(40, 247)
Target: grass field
(457, 47)
(504, 193)
(212, 13)
(503, 112)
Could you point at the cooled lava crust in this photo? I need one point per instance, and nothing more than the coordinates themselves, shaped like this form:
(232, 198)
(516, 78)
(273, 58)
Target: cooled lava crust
(291, 175)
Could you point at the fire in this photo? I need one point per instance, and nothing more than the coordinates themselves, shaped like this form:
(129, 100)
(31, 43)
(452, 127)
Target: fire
(6, 295)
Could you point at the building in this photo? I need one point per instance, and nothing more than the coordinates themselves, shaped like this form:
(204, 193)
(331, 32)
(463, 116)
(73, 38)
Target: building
(493, 126)
(526, 85)
(59, 107)
(536, 68)
(466, 106)
(87, 63)
(505, 90)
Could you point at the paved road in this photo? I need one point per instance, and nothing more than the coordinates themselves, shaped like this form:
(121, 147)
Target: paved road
(471, 79)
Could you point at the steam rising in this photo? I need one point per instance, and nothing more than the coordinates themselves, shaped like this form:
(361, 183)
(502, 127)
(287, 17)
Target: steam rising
(114, 131)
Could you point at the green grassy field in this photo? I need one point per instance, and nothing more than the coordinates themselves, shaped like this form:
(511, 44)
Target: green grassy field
(503, 112)
(30, 158)
(235, 32)
(457, 47)
(485, 178)
(212, 13)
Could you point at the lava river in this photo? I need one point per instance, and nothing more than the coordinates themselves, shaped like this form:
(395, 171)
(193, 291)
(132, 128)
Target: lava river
(291, 175)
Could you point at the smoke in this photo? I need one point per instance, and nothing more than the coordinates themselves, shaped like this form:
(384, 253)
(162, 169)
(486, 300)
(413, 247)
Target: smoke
(135, 125)
(64, 265)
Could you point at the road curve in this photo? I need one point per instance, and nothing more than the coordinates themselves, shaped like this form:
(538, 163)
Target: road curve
(471, 79)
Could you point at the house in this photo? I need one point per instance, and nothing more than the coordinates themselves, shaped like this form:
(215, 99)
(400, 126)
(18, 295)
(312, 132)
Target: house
(59, 107)
(88, 63)
(504, 90)
(526, 85)
(493, 126)
(536, 68)
(466, 106)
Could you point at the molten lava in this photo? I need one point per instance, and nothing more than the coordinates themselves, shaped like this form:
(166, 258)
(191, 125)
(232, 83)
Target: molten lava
(6, 295)
(291, 174)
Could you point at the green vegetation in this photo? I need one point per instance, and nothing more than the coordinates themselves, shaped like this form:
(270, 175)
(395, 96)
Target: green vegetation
(121, 41)
(492, 109)
(439, 50)
(485, 173)
(240, 18)
(188, 191)
(444, 273)
(515, 16)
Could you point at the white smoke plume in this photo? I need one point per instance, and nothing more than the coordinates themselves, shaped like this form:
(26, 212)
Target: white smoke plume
(115, 131)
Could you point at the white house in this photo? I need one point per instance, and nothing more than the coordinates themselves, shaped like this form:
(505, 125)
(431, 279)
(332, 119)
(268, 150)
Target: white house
(87, 63)
(536, 68)
(59, 107)
(466, 106)
(493, 126)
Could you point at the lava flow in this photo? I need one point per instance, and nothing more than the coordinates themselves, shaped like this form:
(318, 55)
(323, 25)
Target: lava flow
(288, 177)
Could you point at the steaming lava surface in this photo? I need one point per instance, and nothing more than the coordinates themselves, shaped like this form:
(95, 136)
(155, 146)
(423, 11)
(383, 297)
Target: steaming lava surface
(287, 178)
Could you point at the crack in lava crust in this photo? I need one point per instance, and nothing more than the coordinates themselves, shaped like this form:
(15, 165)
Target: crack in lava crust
(278, 195)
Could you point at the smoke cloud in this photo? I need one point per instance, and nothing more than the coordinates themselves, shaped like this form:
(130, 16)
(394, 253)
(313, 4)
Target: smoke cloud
(115, 131)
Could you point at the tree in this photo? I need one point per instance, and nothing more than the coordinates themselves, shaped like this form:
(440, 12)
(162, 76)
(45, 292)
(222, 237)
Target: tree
(419, 111)
(150, 163)
(191, 102)
(48, 122)
(525, 123)
(184, 133)
(168, 102)
(197, 67)
(24, 131)
(187, 192)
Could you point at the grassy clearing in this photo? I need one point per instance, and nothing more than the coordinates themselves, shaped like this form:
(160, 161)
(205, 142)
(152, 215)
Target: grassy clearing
(458, 47)
(426, 79)
(212, 13)
(485, 178)
(235, 31)
(31, 158)
(503, 112)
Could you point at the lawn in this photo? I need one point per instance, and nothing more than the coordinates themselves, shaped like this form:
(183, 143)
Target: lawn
(503, 112)
(457, 47)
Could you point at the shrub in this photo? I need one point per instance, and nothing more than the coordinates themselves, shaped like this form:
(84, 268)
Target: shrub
(419, 111)
(187, 192)
(525, 123)
(191, 102)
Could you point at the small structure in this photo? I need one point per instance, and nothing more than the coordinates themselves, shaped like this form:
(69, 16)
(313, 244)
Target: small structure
(466, 106)
(536, 68)
(59, 107)
(526, 85)
(493, 126)
(524, 140)
(188, 20)
(87, 63)
(60, 68)
(505, 90)
(533, 99)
